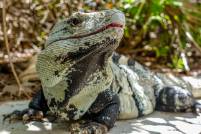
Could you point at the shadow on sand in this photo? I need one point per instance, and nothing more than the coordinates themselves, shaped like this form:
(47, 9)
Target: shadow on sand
(155, 123)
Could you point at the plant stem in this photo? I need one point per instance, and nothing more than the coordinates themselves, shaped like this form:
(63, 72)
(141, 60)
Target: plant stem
(8, 49)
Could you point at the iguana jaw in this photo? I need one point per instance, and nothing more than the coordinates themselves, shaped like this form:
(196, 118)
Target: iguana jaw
(108, 26)
(111, 25)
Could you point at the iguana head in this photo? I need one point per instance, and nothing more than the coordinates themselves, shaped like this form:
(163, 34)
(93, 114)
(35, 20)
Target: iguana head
(93, 27)
(77, 55)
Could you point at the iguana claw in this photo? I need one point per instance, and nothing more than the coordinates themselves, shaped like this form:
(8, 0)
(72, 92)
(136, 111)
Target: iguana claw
(24, 115)
(88, 128)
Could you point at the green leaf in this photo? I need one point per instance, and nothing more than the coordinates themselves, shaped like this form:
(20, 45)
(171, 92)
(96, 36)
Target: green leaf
(156, 7)
(177, 62)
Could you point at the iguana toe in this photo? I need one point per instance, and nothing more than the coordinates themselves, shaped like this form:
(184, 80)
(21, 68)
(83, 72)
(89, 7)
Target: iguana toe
(24, 115)
(88, 128)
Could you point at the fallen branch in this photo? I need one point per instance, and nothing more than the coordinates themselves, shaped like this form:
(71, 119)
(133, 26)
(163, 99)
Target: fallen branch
(8, 51)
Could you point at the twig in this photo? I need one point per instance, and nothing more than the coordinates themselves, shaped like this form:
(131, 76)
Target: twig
(183, 52)
(136, 17)
(190, 37)
(69, 9)
(8, 51)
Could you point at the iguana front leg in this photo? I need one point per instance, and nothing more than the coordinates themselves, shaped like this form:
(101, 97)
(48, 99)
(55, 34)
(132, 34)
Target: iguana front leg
(36, 111)
(101, 116)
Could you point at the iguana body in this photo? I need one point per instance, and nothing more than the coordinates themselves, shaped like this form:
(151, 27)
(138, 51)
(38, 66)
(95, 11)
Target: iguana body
(83, 78)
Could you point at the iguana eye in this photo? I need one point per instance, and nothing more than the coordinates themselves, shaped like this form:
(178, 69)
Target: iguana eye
(74, 21)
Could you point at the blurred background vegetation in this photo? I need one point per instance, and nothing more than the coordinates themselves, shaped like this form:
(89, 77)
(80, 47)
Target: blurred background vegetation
(162, 34)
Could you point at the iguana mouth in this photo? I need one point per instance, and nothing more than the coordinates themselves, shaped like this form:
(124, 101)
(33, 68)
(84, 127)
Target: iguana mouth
(111, 25)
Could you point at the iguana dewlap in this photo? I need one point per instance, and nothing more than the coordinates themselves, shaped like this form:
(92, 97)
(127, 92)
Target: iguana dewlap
(83, 78)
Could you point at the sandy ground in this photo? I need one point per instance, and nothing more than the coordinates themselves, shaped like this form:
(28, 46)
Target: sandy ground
(157, 122)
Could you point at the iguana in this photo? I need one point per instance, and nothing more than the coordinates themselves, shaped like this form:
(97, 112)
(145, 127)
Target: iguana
(83, 78)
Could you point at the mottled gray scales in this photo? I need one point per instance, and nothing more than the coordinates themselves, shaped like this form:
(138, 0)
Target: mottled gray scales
(84, 78)
(84, 57)
(90, 66)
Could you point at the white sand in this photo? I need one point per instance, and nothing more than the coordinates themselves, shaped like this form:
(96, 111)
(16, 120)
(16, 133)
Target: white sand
(157, 122)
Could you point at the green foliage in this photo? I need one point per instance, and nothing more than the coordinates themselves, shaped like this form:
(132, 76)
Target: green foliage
(177, 62)
(160, 29)
(163, 26)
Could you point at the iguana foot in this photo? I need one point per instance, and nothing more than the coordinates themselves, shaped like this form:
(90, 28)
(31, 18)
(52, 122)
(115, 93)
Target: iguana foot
(88, 128)
(101, 116)
(24, 115)
(37, 109)
(197, 108)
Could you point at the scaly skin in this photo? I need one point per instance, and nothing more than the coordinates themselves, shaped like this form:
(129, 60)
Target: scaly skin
(83, 78)
(74, 67)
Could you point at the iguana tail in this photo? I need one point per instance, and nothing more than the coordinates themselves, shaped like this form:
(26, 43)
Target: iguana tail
(151, 90)
(191, 83)
(195, 83)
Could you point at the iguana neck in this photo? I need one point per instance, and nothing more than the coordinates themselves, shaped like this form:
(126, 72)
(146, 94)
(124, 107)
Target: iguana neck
(77, 56)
